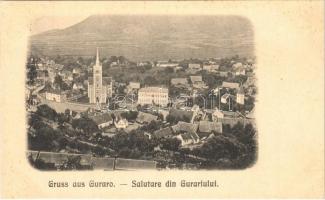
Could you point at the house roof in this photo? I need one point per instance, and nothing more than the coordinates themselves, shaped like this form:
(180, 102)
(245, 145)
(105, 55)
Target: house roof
(208, 127)
(230, 85)
(102, 118)
(165, 132)
(145, 117)
(175, 81)
(190, 136)
(185, 127)
(196, 78)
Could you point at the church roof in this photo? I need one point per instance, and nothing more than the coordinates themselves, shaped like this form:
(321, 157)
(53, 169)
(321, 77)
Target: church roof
(106, 80)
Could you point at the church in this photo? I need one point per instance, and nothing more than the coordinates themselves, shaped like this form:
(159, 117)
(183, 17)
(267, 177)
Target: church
(99, 87)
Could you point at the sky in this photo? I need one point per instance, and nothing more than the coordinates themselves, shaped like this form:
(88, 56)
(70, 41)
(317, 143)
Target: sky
(54, 22)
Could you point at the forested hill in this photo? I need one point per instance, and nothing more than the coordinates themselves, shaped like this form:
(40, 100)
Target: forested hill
(150, 37)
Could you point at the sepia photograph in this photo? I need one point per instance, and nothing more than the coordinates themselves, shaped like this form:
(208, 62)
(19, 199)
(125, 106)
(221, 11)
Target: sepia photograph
(135, 92)
(162, 99)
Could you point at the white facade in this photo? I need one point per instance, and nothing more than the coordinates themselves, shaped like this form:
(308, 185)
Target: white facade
(240, 98)
(53, 96)
(122, 123)
(153, 95)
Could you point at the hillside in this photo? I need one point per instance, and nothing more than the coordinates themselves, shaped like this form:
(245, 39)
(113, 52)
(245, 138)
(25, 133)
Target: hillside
(150, 37)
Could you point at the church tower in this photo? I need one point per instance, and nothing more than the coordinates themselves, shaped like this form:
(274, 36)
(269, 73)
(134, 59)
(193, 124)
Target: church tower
(98, 80)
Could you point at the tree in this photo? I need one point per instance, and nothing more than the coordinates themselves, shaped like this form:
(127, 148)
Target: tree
(85, 124)
(171, 119)
(169, 70)
(43, 139)
(62, 118)
(47, 112)
(171, 144)
(58, 81)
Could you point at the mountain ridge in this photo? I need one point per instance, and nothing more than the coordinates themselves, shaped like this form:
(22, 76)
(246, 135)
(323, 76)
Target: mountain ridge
(143, 37)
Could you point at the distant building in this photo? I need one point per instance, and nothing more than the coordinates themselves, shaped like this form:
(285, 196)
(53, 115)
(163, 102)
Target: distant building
(240, 71)
(121, 123)
(166, 64)
(185, 127)
(78, 86)
(179, 81)
(194, 66)
(230, 85)
(206, 128)
(55, 95)
(241, 96)
(188, 138)
(196, 79)
(99, 87)
(76, 70)
(197, 82)
(211, 67)
(223, 73)
(153, 95)
(226, 98)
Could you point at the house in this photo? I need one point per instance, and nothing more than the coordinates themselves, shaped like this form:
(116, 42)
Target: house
(210, 67)
(78, 86)
(182, 127)
(194, 66)
(195, 79)
(164, 133)
(188, 138)
(240, 71)
(114, 64)
(55, 95)
(230, 118)
(223, 74)
(102, 120)
(179, 81)
(230, 85)
(145, 118)
(76, 70)
(121, 123)
(197, 82)
(142, 64)
(206, 128)
(225, 98)
(237, 65)
(166, 64)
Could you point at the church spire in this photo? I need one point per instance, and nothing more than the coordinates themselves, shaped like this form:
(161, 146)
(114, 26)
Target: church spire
(97, 57)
